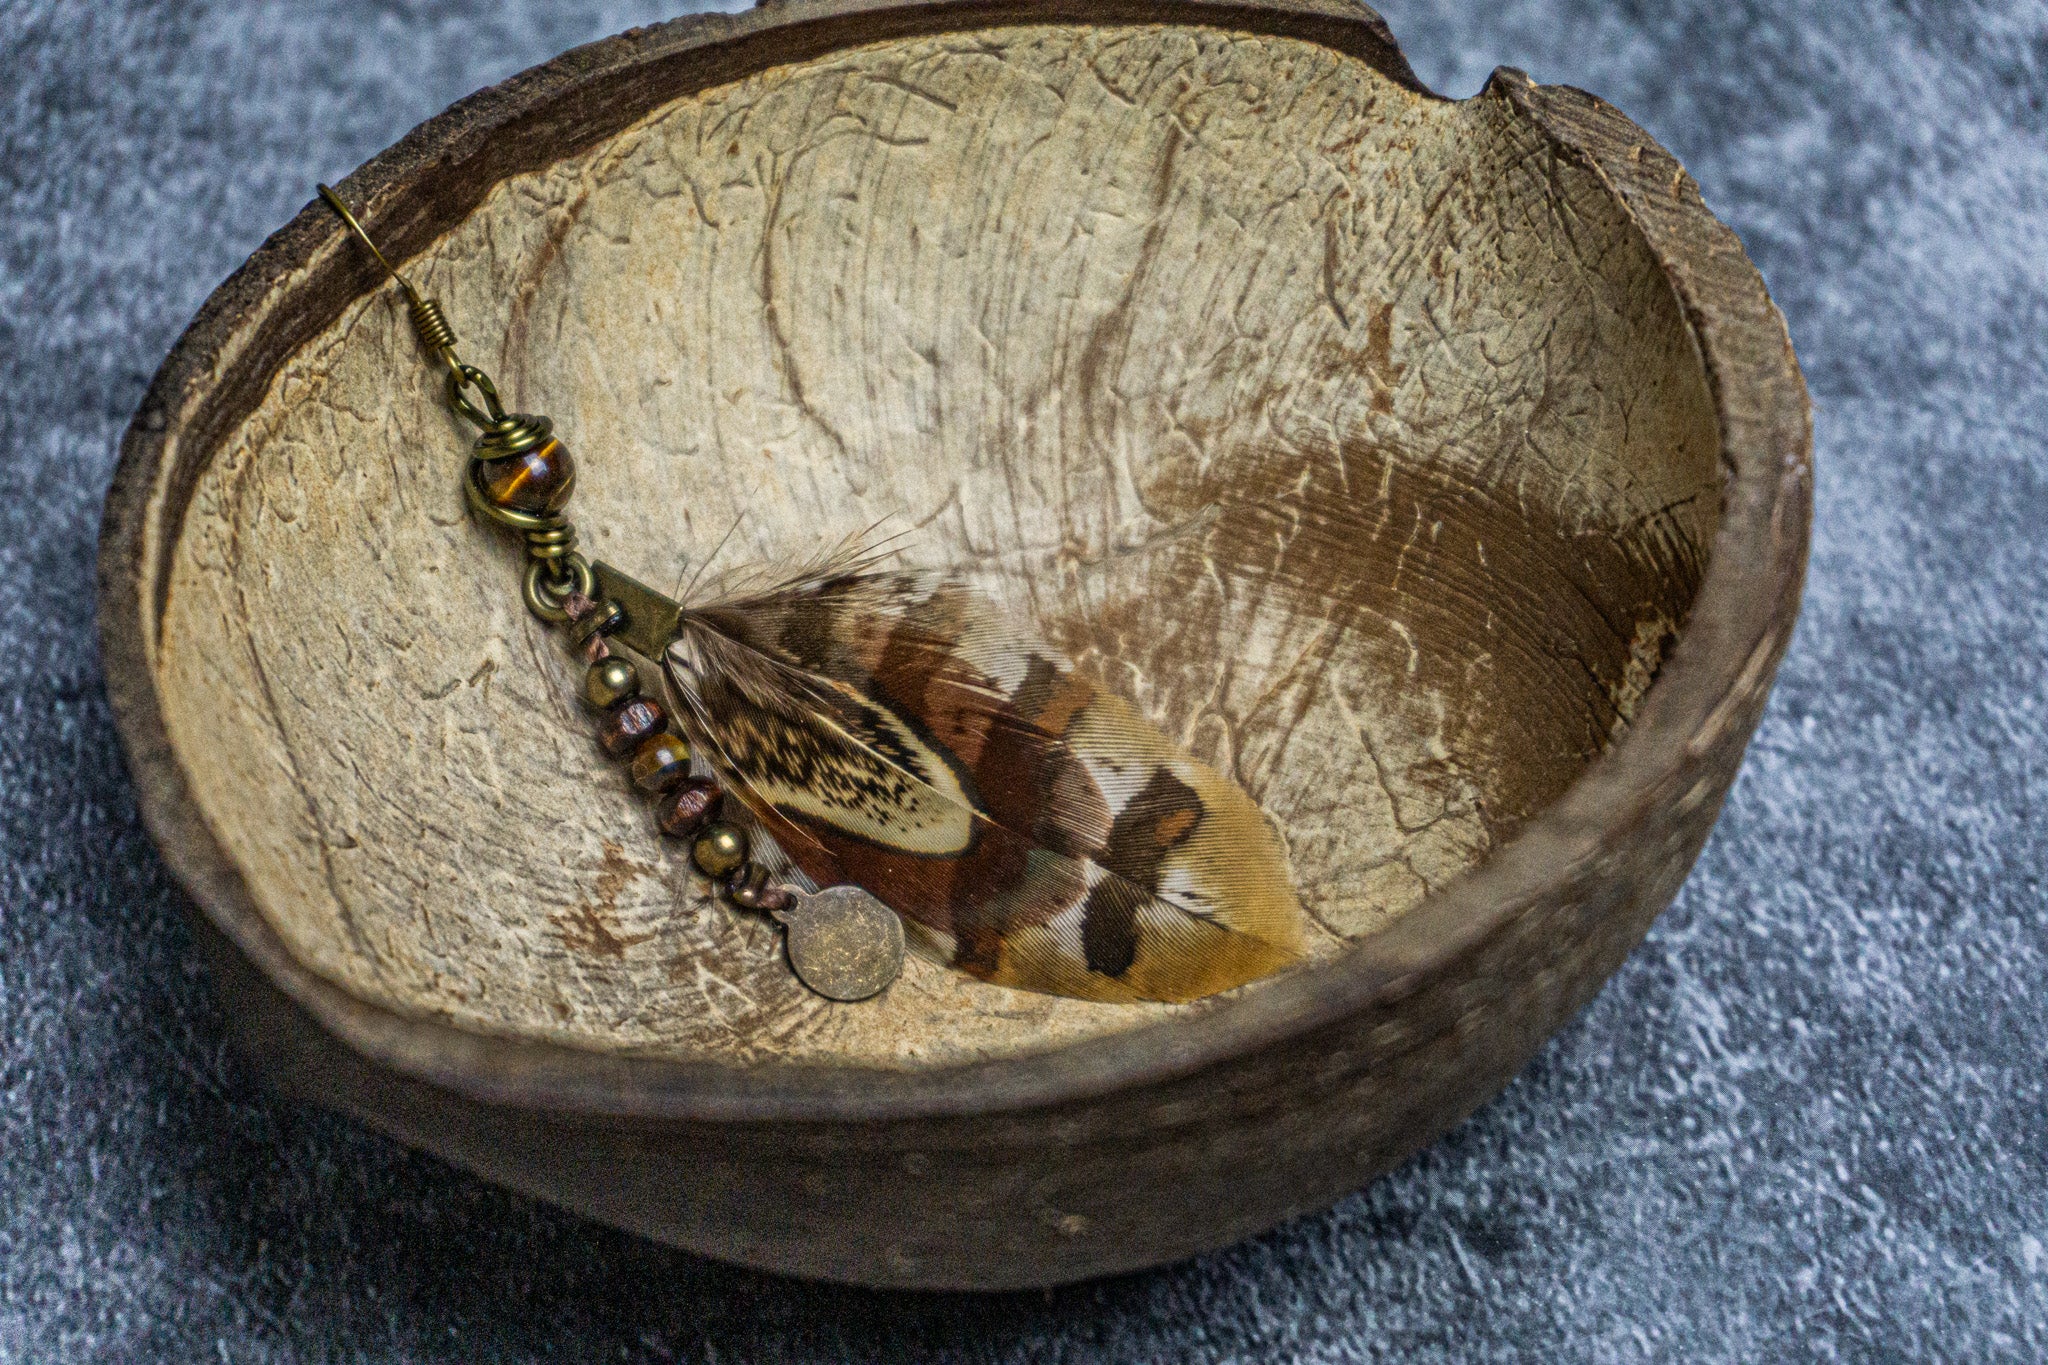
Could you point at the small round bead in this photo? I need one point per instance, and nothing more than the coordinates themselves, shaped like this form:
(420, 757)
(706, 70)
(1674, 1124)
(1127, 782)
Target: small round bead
(609, 682)
(629, 725)
(661, 763)
(719, 850)
(537, 481)
(687, 809)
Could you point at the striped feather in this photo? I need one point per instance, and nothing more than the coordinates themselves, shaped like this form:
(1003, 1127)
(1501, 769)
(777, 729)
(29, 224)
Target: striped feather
(892, 731)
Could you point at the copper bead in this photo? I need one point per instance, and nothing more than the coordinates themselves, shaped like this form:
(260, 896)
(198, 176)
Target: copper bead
(537, 481)
(687, 809)
(661, 763)
(629, 725)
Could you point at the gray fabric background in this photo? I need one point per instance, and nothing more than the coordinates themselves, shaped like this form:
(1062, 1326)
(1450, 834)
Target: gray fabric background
(1804, 1122)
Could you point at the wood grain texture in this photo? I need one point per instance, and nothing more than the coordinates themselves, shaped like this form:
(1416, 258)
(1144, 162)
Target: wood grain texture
(1373, 444)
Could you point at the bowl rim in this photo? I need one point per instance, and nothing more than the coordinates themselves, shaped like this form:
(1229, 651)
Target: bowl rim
(1711, 683)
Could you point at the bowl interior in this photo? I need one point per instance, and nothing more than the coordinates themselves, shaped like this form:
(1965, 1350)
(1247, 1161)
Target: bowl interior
(1353, 434)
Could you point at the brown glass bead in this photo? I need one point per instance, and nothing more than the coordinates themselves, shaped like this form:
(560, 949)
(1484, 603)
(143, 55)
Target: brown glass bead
(720, 850)
(661, 763)
(691, 806)
(538, 481)
(629, 725)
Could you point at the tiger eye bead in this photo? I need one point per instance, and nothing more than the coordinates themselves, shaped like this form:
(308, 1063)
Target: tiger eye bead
(719, 851)
(661, 763)
(687, 809)
(609, 682)
(537, 481)
(629, 725)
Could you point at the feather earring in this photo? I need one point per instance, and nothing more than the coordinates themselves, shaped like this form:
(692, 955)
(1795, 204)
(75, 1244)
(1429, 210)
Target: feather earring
(858, 752)
(892, 731)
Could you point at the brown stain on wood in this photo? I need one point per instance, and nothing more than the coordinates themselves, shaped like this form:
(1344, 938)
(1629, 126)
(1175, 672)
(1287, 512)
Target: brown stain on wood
(1434, 578)
(591, 926)
(1380, 367)
(1424, 580)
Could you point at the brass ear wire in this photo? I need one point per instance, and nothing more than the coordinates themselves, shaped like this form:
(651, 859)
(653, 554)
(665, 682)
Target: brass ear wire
(427, 318)
(334, 202)
(526, 496)
(503, 433)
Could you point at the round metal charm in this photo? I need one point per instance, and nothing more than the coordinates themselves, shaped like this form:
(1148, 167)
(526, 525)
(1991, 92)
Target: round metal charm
(843, 943)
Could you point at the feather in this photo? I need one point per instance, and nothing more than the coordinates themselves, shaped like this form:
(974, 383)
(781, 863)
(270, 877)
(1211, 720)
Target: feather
(892, 730)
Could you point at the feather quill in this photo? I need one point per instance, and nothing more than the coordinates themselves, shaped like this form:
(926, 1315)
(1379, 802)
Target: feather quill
(892, 730)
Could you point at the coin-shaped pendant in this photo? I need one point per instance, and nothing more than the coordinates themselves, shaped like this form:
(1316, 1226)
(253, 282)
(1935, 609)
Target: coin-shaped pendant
(843, 943)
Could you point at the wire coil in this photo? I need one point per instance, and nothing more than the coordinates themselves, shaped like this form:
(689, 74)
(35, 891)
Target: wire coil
(431, 323)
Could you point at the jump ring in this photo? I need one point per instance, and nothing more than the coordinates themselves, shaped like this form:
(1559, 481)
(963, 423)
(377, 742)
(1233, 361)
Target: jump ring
(544, 598)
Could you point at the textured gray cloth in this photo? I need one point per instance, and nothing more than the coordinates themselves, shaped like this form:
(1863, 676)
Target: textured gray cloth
(1806, 1121)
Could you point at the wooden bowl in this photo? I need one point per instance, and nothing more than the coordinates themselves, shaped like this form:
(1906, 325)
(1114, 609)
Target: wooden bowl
(1386, 448)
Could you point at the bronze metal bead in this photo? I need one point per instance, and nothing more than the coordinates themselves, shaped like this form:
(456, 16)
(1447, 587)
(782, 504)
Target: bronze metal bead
(661, 763)
(629, 725)
(538, 481)
(719, 850)
(692, 805)
(609, 682)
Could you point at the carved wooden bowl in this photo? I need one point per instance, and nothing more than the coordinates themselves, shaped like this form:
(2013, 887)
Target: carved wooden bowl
(1437, 468)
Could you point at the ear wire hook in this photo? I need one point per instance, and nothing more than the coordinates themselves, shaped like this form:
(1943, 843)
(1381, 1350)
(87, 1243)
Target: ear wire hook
(427, 318)
(334, 202)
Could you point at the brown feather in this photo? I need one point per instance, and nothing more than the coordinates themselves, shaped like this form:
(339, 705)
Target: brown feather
(891, 730)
